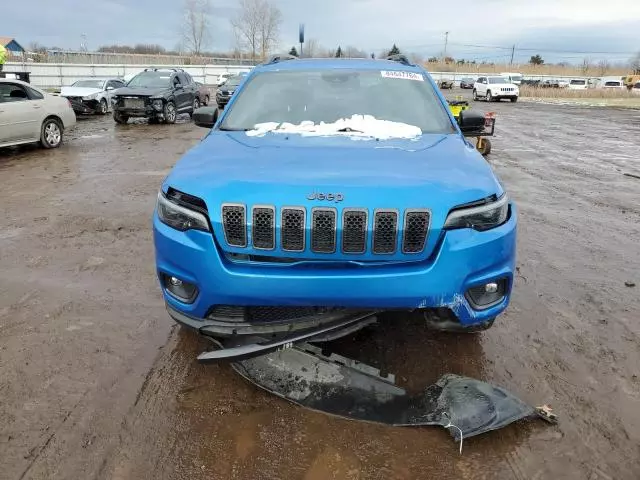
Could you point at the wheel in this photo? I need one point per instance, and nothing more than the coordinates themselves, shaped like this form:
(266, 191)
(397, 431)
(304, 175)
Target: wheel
(51, 133)
(170, 113)
(196, 105)
(475, 95)
(153, 120)
(119, 118)
(489, 98)
(206, 100)
(514, 99)
(103, 107)
(484, 146)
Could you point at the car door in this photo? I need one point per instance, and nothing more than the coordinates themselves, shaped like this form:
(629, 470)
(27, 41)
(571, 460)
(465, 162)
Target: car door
(481, 86)
(178, 92)
(21, 110)
(189, 89)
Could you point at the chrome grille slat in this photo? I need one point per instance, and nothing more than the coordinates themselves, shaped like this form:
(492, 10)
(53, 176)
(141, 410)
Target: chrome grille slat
(354, 230)
(323, 230)
(415, 231)
(385, 231)
(234, 224)
(263, 227)
(292, 226)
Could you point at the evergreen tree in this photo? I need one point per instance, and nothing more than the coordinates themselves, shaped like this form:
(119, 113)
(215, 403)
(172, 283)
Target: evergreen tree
(293, 51)
(339, 53)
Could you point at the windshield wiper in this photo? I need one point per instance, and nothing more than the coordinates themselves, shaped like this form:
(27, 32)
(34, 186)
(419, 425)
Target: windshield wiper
(227, 129)
(349, 129)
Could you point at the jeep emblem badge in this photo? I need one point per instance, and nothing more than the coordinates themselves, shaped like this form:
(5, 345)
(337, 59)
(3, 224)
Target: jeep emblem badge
(331, 197)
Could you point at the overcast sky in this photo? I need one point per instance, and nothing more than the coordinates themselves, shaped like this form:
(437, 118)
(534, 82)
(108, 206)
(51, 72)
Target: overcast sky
(557, 29)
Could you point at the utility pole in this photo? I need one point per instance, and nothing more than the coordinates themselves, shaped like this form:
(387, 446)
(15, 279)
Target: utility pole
(446, 40)
(513, 50)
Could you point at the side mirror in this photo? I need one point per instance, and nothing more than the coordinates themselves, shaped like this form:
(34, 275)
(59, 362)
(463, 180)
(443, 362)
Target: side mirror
(178, 86)
(471, 122)
(110, 88)
(205, 117)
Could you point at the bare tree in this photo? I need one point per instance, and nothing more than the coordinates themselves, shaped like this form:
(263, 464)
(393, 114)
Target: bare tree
(257, 26)
(354, 52)
(585, 67)
(311, 48)
(270, 27)
(603, 67)
(195, 29)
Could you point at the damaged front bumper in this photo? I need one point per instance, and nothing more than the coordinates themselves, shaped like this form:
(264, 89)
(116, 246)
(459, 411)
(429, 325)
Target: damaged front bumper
(464, 260)
(81, 106)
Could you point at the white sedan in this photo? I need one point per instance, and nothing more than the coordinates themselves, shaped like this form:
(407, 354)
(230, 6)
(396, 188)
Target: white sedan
(28, 115)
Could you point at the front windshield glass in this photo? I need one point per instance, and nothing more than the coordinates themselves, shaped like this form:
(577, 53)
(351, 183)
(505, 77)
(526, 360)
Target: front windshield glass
(578, 82)
(497, 80)
(612, 84)
(88, 83)
(150, 79)
(335, 96)
(233, 81)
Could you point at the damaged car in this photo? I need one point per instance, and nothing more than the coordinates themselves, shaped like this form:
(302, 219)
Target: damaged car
(90, 96)
(159, 94)
(327, 191)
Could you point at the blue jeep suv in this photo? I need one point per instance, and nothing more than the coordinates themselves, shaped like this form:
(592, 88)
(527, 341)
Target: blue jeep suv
(329, 188)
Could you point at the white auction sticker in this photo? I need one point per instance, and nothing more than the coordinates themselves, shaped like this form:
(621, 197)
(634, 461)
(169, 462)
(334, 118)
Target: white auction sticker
(402, 75)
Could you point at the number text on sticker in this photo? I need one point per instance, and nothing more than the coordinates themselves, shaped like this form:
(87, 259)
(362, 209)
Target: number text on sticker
(402, 75)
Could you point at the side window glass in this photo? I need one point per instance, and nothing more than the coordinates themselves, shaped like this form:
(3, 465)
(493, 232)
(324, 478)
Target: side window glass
(176, 80)
(11, 92)
(34, 94)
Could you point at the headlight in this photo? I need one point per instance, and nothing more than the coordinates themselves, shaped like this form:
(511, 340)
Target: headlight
(157, 103)
(93, 96)
(179, 217)
(480, 218)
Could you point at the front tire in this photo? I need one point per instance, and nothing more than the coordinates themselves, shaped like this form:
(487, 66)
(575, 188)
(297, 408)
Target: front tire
(120, 119)
(103, 108)
(514, 99)
(51, 133)
(475, 95)
(489, 97)
(196, 105)
(170, 113)
(206, 100)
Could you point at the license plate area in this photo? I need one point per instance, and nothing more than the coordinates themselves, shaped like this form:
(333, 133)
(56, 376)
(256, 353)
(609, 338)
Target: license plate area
(137, 103)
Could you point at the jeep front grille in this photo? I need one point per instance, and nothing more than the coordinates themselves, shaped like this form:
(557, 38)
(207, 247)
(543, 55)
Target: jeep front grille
(385, 231)
(416, 226)
(323, 230)
(350, 231)
(293, 227)
(354, 231)
(263, 228)
(235, 225)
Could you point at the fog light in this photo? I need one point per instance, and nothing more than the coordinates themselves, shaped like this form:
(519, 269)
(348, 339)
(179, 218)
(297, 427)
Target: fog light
(487, 295)
(184, 291)
(157, 104)
(491, 288)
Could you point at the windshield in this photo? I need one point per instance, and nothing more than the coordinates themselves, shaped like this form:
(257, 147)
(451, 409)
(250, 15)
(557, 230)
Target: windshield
(497, 80)
(578, 82)
(517, 78)
(150, 79)
(233, 81)
(329, 96)
(88, 83)
(612, 84)
(468, 80)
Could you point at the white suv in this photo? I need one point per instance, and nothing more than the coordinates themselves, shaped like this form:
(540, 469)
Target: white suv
(495, 88)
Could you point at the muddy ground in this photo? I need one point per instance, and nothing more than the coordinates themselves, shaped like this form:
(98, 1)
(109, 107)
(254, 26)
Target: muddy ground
(96, 382)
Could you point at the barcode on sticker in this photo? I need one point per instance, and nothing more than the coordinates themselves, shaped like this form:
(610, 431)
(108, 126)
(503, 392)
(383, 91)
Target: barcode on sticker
(402, 75)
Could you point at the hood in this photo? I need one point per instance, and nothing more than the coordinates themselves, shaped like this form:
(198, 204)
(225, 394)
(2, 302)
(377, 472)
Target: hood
(141, 91)
(436, 172)
(78, 91)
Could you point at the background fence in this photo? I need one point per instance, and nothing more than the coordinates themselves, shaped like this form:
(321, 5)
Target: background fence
(56, 75)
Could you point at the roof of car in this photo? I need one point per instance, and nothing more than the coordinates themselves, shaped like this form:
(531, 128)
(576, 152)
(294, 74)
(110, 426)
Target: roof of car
(337, 63)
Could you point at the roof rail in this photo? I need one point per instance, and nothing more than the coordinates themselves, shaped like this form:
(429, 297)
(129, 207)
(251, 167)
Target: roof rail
(399, 58)
(280, 58)
(155, 69)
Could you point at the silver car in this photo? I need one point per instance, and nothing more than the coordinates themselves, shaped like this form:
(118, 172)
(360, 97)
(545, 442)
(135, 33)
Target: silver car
(27, 114)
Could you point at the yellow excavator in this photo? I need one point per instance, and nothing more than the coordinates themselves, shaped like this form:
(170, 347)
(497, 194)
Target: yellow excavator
(483, 144)
(630, 80)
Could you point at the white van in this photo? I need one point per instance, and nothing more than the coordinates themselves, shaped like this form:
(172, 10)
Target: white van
(578, 84)
(611, 82)
(515, 78)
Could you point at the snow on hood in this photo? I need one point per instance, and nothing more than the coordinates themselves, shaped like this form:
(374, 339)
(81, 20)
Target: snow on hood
(356, 126)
